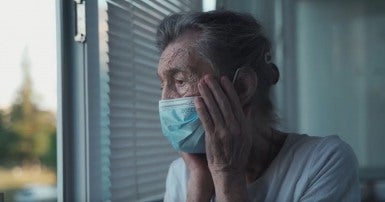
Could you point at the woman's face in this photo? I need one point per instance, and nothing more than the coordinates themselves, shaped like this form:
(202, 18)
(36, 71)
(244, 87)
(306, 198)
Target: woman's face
(181, 67)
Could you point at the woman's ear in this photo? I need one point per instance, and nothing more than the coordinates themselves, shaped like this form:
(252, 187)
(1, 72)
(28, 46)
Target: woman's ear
(245, 83)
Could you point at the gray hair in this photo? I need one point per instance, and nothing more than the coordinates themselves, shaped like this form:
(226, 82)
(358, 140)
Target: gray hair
(228, 40)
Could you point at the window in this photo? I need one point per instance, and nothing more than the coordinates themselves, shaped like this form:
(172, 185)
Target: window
(140, 155)
(111, 145)
(28, 100)
(110, 142)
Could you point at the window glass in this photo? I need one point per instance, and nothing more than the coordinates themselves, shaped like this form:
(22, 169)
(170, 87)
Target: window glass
(341, 79)
(28, 100)
(341, 58)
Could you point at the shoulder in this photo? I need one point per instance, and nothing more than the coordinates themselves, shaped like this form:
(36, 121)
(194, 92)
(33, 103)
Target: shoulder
(176, 181)
(177, 163)
(319, 152)
(321, 148)
(177, 170)
(332, 149)
(332, 170)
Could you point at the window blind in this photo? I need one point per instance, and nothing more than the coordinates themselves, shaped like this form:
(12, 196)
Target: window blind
(139, 153)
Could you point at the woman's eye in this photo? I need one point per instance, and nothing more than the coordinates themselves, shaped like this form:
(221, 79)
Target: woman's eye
(179, 82)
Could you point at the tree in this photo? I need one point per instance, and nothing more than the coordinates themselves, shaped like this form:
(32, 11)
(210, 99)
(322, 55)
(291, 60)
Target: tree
(9, 153)
(30, 127)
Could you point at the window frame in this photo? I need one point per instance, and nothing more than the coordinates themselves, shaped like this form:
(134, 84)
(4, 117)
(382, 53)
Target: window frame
(78, 114)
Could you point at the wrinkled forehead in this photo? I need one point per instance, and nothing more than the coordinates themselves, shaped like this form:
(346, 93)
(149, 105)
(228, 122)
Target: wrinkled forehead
(184, 54)
(177, 54)
(181, 54)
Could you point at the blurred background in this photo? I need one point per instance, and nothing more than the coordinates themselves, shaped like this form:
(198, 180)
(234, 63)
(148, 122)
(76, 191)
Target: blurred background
(331, 56)
(28, 71)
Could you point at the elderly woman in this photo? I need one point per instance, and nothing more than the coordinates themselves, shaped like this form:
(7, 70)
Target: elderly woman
(216, 73)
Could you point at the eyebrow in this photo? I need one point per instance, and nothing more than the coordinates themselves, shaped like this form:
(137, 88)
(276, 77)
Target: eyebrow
(174, 70)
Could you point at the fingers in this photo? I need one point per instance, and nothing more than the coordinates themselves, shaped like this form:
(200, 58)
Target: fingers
(221, 114)
(235, 103)
(221, 99)
(210, 103)
(219, 105)
(204, 115)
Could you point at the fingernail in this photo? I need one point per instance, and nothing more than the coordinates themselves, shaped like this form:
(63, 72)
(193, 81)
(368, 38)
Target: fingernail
(209, 77)
(202, 80)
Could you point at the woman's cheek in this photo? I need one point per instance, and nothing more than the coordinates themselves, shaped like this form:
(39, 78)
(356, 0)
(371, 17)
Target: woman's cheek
(183, 90)
(194, 89)
(188, 90)
(193, 85)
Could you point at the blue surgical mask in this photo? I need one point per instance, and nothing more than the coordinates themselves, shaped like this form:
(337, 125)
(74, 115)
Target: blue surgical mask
(181, 125)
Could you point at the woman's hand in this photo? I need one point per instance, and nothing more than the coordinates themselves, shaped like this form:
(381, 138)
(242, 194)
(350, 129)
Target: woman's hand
(195, 162)
(200, 183)
(228, 140)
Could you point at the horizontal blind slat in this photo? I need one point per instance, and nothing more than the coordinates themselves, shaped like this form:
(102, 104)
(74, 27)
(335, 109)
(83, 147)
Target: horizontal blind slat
(159, 6)
(145, 8)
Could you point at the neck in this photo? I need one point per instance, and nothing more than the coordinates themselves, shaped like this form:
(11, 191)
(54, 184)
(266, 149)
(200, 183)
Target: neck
(266, 146)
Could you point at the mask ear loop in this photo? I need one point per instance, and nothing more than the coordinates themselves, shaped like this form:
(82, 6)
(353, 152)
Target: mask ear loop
(236, 75)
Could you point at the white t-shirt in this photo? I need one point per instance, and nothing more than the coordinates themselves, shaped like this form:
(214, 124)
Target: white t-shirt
(306, 169)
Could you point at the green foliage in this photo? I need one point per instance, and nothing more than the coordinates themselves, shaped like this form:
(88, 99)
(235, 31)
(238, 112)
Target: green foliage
(27, 133)
(49, 158)
(9, 140)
